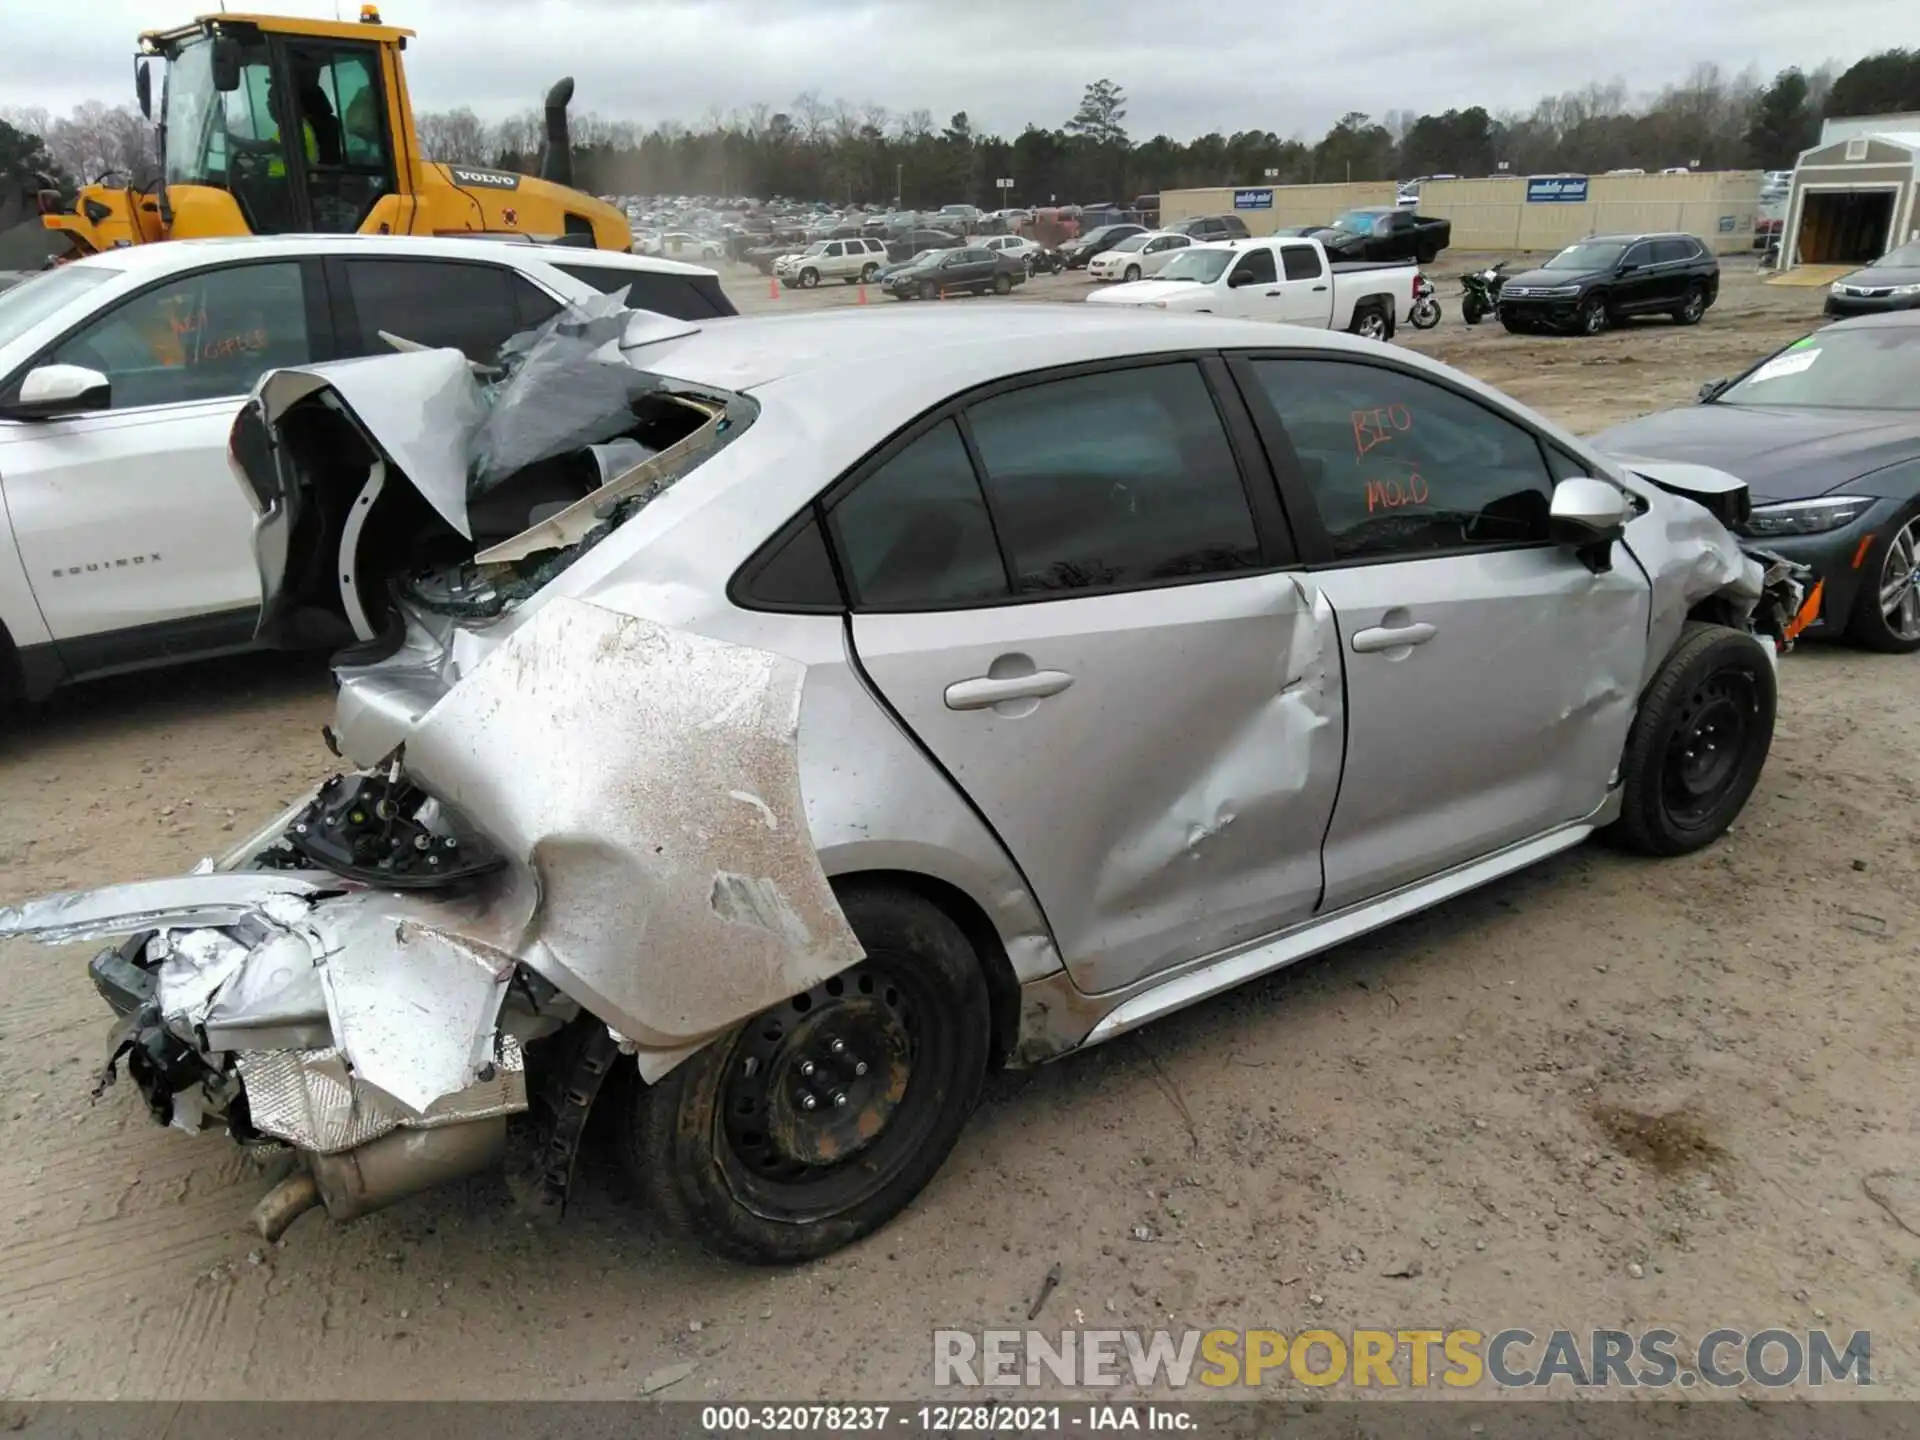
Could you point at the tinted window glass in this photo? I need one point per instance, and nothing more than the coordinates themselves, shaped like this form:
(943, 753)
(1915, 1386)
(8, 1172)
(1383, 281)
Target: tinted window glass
(472, 308)
(797, 574)
(1301, 263)
(684, 297)
(916, 533)
(1120, 479)
(1665, 250)
(1399, 465)
(1255, 268)
(198, 338)
(1641, 254)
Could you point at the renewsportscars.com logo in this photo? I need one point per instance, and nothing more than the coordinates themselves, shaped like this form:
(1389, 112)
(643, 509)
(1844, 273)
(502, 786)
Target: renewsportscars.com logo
(1394, 1359)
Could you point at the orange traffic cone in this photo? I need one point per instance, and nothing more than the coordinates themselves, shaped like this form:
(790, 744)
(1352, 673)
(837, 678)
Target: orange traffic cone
(863, 295)
(773, 287)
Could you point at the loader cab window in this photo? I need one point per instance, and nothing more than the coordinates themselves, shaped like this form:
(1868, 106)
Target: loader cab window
(350, 166)
(328, 168)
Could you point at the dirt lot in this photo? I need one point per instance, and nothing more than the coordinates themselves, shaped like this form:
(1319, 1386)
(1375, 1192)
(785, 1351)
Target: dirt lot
(1604, 1093)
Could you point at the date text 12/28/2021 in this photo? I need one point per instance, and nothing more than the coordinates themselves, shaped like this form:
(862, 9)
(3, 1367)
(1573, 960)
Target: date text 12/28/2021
(961, 1419)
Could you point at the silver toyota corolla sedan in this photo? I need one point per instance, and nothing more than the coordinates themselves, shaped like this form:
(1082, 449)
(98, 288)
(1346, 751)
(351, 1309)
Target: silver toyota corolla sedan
(811, 713)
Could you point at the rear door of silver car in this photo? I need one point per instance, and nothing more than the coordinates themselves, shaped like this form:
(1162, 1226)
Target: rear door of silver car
(1077, 591)
(1490, 675)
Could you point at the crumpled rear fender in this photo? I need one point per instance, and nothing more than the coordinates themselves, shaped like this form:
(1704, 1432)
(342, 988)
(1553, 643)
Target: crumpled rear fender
(644, 783)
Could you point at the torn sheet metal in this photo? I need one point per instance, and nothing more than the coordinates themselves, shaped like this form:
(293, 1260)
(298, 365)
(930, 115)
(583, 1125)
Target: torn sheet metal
(415, 1007)
(1688, 556)
(313, 1100)
(567, 386)
(425, 406)
(193, 968)
(606, 751)
(183, 902)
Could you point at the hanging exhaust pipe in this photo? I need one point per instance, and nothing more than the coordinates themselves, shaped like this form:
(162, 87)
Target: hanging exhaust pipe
(556, 156)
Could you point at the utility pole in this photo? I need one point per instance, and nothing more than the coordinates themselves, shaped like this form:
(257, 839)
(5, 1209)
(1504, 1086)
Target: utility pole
(898, 168)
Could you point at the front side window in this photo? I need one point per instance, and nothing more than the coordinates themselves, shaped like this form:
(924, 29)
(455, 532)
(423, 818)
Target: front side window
(1114, 480)
(1255, 268)
(203, 337)
(342, 132)
(1397, 465)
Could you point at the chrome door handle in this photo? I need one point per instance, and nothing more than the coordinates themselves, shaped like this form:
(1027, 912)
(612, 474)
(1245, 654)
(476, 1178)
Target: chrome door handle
(1368, 642)
(983, 692)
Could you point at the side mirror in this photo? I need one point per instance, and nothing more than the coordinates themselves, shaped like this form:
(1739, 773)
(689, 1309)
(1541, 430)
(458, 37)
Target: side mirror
(225, 59)
(143, 89)
(50, 391)
(1712, 389)
(1626, 268)
(1239, 278)
(1588, 515)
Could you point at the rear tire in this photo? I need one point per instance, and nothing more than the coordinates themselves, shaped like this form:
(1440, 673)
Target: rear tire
(725, 1153)
(1371, 323)
(1693, 307)
(1698, 742)
(1002, 285)
(1471, 312)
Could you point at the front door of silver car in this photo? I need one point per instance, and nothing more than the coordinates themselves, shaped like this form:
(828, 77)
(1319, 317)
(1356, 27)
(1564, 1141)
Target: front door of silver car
(1490, 674)
(1141, 700)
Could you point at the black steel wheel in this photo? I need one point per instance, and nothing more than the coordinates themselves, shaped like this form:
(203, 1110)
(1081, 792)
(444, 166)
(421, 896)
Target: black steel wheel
(817, 1121)
(1698, 742)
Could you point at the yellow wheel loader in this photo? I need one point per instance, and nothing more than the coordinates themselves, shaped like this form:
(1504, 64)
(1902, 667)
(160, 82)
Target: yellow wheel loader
(270, 125)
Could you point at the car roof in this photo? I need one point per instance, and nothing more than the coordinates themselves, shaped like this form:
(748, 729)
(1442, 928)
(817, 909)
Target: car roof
(180, 254)
(950, 347)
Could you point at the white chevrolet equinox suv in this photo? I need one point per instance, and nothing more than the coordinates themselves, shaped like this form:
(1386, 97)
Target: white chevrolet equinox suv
(126, 541)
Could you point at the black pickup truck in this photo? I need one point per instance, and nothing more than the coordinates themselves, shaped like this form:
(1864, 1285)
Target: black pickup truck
(1380, 232)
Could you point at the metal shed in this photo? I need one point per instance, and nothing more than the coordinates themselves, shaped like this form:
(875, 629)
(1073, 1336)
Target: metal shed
(1853, 198)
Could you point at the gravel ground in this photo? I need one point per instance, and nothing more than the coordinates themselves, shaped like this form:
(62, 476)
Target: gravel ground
(1604, 1093)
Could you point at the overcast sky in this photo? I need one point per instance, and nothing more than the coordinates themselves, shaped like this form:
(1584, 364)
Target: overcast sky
(1285, 65)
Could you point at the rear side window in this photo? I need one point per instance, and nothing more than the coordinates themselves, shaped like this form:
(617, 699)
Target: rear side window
(683, 297)
(1300, 262)
(1114, 480)
(1397, 465)
(916, 531)
(472, 308)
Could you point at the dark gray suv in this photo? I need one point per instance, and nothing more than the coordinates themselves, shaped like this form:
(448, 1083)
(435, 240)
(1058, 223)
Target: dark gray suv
(1212, 227)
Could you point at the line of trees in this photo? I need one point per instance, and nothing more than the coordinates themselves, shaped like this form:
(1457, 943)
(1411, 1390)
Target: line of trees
(816, 149)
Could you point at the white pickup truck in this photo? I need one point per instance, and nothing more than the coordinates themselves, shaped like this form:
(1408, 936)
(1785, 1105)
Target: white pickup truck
(1279, 278)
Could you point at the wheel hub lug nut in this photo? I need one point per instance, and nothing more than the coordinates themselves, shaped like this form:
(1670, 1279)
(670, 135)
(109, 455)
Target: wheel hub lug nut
(859, 1067)
(806, 1069)
(839, 1097)
(838, 1047)
(807, 1102)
